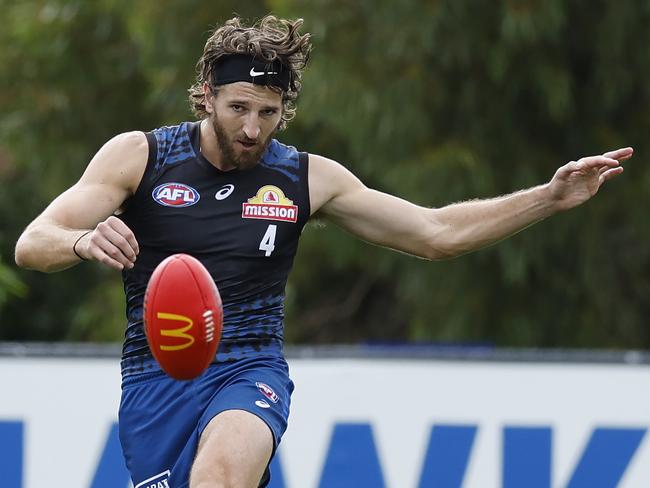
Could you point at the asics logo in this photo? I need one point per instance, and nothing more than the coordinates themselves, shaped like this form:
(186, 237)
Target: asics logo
(224, 192)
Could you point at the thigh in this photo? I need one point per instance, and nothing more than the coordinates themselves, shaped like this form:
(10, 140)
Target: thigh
(235, 449)
(258, 386)
(259, 391)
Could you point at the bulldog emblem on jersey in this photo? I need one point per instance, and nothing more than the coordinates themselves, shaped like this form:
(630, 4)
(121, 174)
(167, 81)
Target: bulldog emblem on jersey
(270, 204)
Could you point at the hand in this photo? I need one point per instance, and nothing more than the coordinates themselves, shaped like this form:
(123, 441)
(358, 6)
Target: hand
(578, 181)
(111, 243)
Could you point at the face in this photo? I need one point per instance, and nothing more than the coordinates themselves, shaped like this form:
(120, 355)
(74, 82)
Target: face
(245, 118)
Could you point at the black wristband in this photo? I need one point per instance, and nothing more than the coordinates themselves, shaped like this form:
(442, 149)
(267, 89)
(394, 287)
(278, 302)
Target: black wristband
(74, 246)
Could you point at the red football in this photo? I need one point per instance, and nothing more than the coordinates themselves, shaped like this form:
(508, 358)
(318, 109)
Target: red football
(182, 316)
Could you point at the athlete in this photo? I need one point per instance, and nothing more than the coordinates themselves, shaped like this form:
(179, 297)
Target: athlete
(225, 190)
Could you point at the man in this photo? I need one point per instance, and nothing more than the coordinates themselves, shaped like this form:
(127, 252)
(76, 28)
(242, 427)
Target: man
(224, 190)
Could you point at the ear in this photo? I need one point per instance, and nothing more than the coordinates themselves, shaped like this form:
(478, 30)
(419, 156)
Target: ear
(209, 98)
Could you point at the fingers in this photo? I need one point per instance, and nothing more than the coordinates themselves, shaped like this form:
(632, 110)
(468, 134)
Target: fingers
(113, 244)
(596, 162)
(610, 159)
(609, 174)
(123, 230)
(593, 168)
(587, 165)
(602, 163)
(622, 154)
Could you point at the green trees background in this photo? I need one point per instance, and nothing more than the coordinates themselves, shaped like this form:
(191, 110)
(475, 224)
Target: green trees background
(435, 101)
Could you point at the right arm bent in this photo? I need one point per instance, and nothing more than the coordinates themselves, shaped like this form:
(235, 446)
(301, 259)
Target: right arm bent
(87, 208)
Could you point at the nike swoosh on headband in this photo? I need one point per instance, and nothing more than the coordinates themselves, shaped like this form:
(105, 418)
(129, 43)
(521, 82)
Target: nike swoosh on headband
(254, 73)
(232, 68)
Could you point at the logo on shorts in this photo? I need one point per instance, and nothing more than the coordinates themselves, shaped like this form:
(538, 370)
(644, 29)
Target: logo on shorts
(262, 404)
(267, 391)
(161, 480)
(175, 195)
(270, 204)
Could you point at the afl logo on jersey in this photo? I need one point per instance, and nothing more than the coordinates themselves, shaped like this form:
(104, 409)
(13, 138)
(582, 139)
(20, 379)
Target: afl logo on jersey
(270, 204)
(175, 195)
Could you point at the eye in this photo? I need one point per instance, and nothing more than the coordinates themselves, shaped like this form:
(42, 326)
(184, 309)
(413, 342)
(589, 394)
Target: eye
(236, 108)
(269, 112)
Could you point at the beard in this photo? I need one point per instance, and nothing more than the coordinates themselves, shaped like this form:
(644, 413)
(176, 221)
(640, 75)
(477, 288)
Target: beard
(245, 159)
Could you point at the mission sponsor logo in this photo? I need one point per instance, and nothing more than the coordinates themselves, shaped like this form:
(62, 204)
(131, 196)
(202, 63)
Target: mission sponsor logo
(175, 195)
(270, 204)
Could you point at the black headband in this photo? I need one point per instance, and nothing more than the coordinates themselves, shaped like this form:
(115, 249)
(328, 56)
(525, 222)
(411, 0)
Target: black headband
(244, 67)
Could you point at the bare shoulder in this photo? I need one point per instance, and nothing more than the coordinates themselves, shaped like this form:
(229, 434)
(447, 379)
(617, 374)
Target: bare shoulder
(328, 180)
(127, 144)
(121, 161)
(130, 141)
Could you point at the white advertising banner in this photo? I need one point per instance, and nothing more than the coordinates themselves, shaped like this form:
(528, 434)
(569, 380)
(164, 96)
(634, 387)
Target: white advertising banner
(363, 423)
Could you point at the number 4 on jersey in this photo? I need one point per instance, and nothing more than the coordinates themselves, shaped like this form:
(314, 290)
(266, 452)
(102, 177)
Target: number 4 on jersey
(268, 241)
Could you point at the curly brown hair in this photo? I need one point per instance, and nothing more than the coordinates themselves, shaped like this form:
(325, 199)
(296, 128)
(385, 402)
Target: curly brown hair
(269, 39)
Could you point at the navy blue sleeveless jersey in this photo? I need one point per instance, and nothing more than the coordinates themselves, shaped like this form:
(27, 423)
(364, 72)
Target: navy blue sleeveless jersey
(243, 226)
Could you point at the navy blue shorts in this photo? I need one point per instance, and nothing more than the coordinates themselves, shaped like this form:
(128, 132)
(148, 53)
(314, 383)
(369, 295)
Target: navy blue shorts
(161, 419)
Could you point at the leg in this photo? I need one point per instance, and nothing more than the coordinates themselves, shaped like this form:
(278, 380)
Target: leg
(234, 450)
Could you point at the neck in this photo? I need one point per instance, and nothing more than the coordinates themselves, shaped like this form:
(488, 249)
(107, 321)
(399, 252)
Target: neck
(209, 146)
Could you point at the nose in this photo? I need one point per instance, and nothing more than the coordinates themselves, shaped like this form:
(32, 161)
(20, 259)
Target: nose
(252, 126)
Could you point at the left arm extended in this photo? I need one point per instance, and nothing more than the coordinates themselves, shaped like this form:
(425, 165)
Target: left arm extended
(440, 233)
